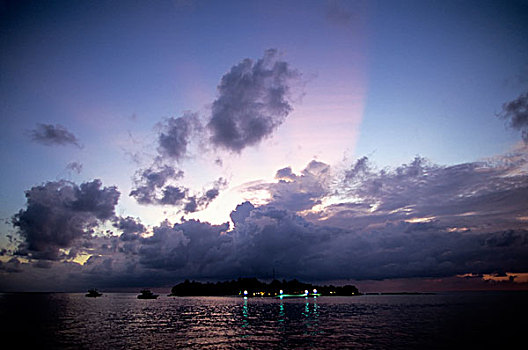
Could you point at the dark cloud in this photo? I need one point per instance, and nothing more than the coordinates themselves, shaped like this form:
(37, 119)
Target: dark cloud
(191, 206)
(416, 220)
(241, 212)
(74, 166)
(268, 238)
(191, 245)
(12, 265)
(177, 134)
(516, 114)
(200, 202)
(43, 264)
(285, 174)
(50, 135)
(360, 169)
(149, 184)
(460, 193)
(59, 213)
(298, 192)
(173, 195)
(252, 102)
(89, 197)
(152, 187)
(507, 238)
(131, 228)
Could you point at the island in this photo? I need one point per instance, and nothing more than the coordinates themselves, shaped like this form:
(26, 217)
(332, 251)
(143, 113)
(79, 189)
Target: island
(252, 287)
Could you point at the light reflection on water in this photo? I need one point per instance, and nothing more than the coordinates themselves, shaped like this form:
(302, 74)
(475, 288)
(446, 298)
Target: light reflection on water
(71, 321)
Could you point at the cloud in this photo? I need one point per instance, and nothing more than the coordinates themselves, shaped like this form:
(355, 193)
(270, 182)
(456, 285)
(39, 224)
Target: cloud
(252, 102)
(12, 265)
(172, 195)
(50, 135)
(191, 245)
(177, 134)
(285, 174)
(149, 185)
(241, 212)
(417, 220)
(267, 238)
(152, 186)
(295, 247)
(131, 228)
(516, 114)
(471, 194)
(298, 192)
(200, 202)
(360, 169)
(74, 166)
(91, 198)
(59, 213)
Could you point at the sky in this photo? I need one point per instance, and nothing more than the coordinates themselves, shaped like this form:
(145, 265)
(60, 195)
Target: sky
(379, 143)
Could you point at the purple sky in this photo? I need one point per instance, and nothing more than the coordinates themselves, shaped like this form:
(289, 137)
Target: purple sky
(373, 142)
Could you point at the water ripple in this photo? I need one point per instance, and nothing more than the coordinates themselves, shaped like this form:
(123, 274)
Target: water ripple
(120, 321)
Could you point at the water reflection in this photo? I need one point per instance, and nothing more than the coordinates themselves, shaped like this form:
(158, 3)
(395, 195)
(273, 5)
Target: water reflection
(315, 316)
(245, 314)
(282, 318)
(311, 318)
(281, 312)
(71, 321)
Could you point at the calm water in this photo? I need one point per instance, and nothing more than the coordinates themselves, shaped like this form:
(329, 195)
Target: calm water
(120, 321)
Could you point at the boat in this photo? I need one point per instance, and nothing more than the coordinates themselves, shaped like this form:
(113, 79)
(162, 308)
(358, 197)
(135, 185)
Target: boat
(147, 294)
(93, 293)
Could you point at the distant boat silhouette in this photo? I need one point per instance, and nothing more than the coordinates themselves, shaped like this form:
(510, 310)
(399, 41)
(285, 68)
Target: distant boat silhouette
(147, 294)
(93, 293)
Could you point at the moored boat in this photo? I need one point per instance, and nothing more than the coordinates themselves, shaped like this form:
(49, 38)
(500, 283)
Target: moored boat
(93, 293)
(147, 294)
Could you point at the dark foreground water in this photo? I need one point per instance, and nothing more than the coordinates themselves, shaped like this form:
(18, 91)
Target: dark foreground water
(120, 321)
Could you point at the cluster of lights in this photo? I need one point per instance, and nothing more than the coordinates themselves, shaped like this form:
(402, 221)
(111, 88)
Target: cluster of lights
(281, 293)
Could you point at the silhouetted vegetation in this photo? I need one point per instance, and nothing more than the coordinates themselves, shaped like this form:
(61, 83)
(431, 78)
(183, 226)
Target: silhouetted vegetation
(254, 287)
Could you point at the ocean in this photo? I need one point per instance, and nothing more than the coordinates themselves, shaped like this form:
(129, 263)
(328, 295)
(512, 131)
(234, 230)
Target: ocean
(121, 321)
